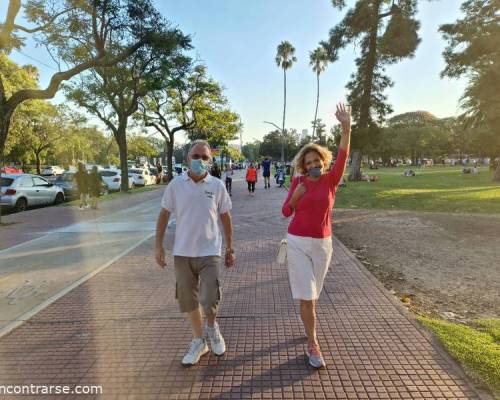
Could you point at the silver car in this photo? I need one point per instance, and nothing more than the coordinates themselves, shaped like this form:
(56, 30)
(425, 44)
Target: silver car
(20, 191)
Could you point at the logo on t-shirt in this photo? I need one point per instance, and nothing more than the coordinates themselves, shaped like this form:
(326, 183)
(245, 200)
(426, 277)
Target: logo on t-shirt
(210, 195)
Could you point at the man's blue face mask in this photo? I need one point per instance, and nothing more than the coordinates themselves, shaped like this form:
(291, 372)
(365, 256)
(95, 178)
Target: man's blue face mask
(199, 167)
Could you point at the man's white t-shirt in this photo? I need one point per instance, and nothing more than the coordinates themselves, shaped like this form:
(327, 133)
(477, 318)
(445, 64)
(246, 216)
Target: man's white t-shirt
(196, 208)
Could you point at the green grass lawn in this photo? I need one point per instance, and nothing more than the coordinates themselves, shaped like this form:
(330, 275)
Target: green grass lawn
(438, 188)
(117, 195)
(476, 347)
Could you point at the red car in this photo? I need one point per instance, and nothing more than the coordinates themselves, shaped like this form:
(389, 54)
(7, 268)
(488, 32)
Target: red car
(11, 170)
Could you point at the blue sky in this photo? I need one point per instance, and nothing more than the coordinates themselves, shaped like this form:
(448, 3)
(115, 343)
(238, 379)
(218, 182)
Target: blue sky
(237, 41)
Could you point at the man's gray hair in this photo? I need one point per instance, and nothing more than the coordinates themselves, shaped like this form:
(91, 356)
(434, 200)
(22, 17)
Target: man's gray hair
(197, 142)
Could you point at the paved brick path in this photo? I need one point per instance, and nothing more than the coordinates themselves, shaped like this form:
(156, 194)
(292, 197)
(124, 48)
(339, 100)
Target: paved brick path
(122, 330)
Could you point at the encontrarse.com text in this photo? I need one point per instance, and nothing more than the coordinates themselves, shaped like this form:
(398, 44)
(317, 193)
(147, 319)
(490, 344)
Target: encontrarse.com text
(49, 389)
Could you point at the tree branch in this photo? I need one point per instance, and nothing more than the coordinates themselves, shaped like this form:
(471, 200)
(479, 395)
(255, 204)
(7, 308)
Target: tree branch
(46, 25)
(59, 77)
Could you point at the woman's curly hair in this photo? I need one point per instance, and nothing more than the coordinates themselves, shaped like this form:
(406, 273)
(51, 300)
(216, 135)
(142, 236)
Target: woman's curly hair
(324, 154)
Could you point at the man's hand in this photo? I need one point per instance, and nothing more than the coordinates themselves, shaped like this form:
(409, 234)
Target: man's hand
(160, 257)
(229, 259)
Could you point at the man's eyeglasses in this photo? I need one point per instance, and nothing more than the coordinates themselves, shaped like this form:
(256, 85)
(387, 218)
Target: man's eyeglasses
(204, 157)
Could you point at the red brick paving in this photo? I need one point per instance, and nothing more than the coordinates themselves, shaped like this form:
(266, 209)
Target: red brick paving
(122, 330)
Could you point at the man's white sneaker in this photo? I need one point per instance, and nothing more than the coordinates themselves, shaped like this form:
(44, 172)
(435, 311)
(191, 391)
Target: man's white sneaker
(197, 349)
(217, 343)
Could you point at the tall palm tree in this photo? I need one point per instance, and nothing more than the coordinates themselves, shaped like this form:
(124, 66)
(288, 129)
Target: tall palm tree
(318, 61)
(284, 59)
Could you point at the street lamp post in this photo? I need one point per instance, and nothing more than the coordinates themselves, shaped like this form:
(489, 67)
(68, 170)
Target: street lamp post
(282, 139)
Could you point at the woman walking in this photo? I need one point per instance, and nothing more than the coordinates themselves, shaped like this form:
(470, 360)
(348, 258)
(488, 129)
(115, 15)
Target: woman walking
(310, 200)
(251, 178)
(228, 174)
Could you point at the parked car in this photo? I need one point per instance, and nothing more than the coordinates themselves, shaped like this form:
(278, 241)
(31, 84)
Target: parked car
(113, 179)
(142, 177)
(20, 191)
(11, 170)
(68, 183)
(89, 167)
(52, 170)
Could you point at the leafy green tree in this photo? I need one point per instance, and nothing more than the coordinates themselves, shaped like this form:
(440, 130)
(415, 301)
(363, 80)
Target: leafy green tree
(113, 94)
(416, 135)
(217, 125)
(386, 32)
(473, 51)
(42, 132)
(320, 129)
(16, 77)
(271, 144)
(186, 94)
(251, 151)
(141, 146)
(76, 34)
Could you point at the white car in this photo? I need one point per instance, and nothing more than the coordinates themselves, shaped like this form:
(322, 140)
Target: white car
(89, 167)
(52, 170)
(20, 191)
(113, 179)
(141, 177)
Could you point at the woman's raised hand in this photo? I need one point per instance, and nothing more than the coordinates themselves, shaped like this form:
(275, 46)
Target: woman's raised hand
(343, 114)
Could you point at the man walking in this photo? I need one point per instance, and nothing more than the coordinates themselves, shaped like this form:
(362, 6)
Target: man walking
(82, 184)
(266, 172)
(196, 199)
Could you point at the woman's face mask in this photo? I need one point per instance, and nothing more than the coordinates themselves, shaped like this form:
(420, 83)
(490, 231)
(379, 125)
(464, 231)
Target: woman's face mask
(315, 172)
(199, 166)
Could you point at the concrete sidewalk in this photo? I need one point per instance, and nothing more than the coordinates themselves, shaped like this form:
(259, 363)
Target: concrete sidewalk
(122, 330)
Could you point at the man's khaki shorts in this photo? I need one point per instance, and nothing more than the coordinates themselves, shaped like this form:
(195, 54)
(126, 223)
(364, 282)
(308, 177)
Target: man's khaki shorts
(197, 282)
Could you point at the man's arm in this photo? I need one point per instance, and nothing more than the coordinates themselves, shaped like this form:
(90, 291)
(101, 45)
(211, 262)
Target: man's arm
(228, 234)
(161, 226)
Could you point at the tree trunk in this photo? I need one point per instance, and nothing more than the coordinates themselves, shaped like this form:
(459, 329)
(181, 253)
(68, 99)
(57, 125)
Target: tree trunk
(316, 112)
(37, 160)
(122, 147)
(496, 175)
(121, 140)
(4, 127)
(364, 112)
(284, 113)
(355, 171)
(170, 156)
(4, 131)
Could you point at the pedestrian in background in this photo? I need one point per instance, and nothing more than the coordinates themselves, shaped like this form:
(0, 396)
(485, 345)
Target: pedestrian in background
(81, 179)
(251, 178)
(95, 187)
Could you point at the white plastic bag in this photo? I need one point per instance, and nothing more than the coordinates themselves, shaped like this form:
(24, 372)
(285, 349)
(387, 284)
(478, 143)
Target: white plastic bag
(281, 258)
